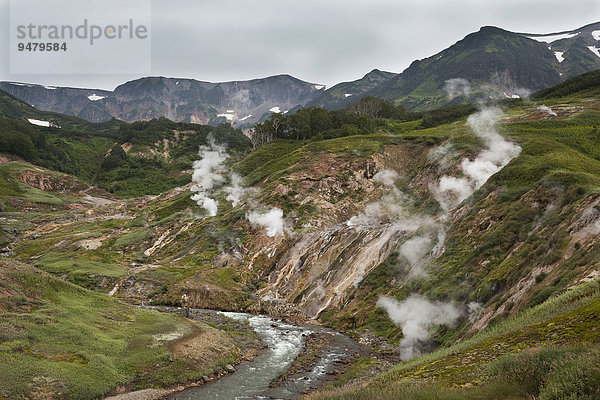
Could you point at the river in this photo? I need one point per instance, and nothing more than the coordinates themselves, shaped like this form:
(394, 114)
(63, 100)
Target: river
(285, 341)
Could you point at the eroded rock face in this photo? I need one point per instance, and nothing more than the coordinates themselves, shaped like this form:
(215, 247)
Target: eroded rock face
(42, 181)
(322, 268)
(230, 257)
(206, 295)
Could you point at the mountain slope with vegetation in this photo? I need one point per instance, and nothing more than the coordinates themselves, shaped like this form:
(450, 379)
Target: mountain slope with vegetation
(516, 257)
(493, 61)
(146, 157)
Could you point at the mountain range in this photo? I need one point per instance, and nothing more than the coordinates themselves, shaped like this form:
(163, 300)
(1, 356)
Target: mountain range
(491, 62)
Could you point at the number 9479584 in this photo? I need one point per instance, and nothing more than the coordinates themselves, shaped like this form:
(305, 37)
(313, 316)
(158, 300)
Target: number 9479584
(34, 46)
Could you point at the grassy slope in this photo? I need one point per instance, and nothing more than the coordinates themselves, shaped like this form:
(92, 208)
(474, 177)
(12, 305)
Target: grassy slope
(60, 339)
(12, 107)
(493, 246)
(161, 156)
(543, 350)
(517, 231)
(556, 154)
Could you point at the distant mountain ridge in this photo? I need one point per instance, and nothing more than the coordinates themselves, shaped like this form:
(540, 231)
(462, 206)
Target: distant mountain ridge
(493, 62)
(181, 100)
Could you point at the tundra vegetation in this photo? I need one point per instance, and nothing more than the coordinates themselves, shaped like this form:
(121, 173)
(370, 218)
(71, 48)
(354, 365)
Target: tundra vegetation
(91, 208)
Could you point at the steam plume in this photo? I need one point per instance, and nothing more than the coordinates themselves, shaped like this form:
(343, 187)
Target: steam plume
(474, 309)
(272, 220)
(457, 87)
(417, 315)
(547, 110)
(387, 177)
(236, 191)
(450, 191)
(389, 209)
(415, 249)
(208, 175)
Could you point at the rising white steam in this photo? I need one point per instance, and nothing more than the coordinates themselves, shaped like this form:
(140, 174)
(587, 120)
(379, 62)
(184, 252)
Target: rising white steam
(387, 177)
(457, 87)
(443, 155)
(391, 208)
(416, 251)
(474, 309)
(208, 174)
(498, 152)
(547, 110)
(417, 315)
(236, 191)
(272, 220)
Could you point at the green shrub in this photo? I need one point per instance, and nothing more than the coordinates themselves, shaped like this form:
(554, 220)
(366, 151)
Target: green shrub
(540, 277)
(540, 296)
(577, 378)
(527, 370)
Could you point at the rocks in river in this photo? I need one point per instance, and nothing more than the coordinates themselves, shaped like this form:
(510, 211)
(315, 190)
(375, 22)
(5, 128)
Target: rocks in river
(229, 368)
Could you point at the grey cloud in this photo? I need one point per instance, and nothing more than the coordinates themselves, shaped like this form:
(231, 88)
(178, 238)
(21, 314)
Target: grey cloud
(321, 42)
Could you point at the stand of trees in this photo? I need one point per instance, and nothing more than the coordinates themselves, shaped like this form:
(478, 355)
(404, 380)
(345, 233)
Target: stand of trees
(363, 117)
(318, 123)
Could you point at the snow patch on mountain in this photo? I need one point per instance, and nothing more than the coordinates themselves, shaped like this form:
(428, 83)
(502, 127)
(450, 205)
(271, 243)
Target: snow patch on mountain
(512, 96)
(38, 122)
(276, 110)
(95, 97)
(594, 50)
(596, 34)
(347, 94)
(227, 115)
(552, 38)
(559, 56)
(20, 84)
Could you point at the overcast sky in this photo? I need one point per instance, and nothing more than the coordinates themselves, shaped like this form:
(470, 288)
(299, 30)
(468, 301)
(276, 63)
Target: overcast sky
(325, 41)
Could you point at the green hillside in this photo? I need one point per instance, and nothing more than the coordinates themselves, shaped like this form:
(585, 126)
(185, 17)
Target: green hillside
(58, 340)
(160, 150)
(521, 250)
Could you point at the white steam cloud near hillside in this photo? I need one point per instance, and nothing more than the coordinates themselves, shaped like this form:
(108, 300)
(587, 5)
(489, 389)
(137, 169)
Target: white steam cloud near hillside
(451, 191)
(547, 110)
(390, 209)
(237, 191)
(387, 177)
(416, 251)
(272, 220)
(457, 87)
(417, 315)
(209, 175)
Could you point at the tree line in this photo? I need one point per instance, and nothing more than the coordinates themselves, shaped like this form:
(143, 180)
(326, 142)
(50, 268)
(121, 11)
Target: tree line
(363, 117)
